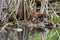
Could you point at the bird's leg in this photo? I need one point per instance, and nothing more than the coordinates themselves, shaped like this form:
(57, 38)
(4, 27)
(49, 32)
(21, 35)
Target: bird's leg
(33, 19)
(42, 36)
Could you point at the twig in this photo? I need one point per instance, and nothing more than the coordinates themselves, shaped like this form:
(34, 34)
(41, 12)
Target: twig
(5, 26)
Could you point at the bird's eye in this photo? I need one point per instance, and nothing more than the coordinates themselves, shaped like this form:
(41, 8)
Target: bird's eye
(58, 14)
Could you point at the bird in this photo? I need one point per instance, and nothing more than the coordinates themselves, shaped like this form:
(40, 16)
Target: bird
(36, 17)
(50, 25)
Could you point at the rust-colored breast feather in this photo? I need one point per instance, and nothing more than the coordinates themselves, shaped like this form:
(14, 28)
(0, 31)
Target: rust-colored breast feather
(36, 15)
